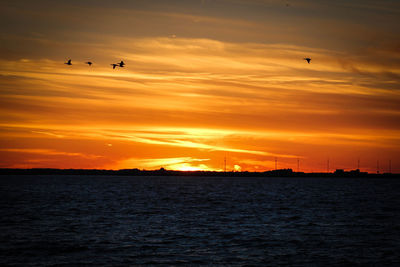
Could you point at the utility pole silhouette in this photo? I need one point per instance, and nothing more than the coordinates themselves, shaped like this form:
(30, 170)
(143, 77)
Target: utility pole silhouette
(327, 165)
(377, 166)
(225, 164)
(276, 163)
(298, 165)
(390, 166)
(358, 163)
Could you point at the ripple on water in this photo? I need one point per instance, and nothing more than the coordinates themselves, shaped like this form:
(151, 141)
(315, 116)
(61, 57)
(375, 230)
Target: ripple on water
(83, 220)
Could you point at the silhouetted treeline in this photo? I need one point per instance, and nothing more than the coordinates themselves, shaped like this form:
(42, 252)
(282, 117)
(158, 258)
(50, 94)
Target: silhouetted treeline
(163, 172)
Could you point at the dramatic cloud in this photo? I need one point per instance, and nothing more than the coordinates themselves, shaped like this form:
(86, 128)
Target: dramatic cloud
(203, 80)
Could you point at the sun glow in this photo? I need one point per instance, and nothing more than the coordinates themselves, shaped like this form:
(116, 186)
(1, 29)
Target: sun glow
(189, 167)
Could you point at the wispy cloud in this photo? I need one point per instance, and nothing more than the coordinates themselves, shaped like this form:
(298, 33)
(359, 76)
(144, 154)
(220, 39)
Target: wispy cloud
(49, 152)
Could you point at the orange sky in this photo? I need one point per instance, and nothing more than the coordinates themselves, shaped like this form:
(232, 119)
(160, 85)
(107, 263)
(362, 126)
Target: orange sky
(203, 80)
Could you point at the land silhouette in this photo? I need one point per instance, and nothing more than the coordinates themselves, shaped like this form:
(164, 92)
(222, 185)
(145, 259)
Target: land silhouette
(163, 172)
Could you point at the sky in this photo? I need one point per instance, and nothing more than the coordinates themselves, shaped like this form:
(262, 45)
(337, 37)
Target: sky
(204, 81)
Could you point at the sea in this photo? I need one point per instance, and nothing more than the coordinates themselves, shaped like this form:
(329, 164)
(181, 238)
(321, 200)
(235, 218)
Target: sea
(58, 220)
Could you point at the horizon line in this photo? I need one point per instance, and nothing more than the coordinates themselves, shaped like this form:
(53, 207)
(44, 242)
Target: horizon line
(160, 170)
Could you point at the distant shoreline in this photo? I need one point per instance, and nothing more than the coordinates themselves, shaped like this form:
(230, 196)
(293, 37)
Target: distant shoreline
(163, 172)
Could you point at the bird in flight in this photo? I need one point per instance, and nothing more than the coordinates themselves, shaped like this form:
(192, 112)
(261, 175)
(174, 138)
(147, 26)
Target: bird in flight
(89, 63)
(114, 65)
(68, 63)
(308, 59)
(121, 64)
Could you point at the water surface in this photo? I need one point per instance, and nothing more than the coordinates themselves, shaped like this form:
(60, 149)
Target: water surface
(114, 220)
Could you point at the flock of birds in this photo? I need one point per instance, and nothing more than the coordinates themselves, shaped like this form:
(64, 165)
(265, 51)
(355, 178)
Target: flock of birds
(122, 64)
(114, 65)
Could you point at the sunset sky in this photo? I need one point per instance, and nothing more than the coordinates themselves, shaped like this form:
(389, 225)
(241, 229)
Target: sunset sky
(204, 80)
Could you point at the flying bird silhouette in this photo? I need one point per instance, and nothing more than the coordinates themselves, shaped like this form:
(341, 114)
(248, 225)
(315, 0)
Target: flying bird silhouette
(89, 63)
(114, 65)
(308, 59)
(121, 64)
(68, 63)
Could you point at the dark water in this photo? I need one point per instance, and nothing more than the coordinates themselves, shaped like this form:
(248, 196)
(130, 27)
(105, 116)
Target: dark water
(191, 221)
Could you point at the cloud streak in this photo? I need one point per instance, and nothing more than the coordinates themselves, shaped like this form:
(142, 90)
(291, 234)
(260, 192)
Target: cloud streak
(49, 152)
